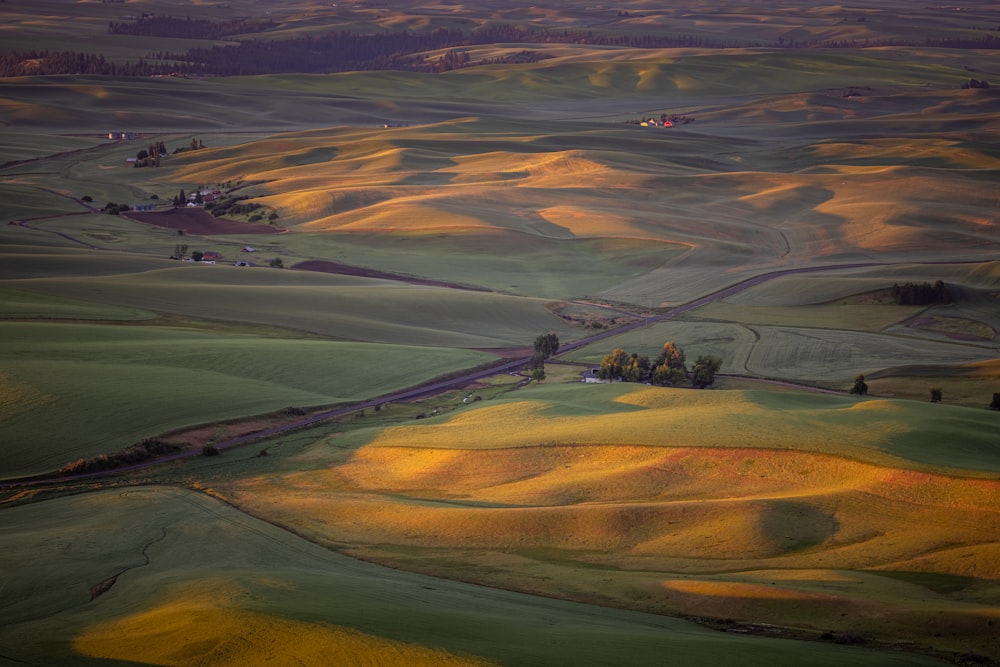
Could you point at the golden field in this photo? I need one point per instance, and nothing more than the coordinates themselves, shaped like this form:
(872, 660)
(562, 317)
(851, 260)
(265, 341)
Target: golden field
(433, 222)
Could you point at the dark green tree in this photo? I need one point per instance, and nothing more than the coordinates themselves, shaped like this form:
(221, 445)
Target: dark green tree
(546, 345)
(995, 404)
(538, 374)
(860, 387)
(703, 371)
(537, 361)
(935, 395)
(635, 368)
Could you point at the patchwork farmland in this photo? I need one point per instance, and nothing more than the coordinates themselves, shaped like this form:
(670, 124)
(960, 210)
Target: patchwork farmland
(326, 443)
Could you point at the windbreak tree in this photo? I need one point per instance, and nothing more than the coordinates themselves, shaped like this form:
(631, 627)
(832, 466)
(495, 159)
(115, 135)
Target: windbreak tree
(547, 345)
(635, 368)
(669, 368)
(704, 370)
(613, 365)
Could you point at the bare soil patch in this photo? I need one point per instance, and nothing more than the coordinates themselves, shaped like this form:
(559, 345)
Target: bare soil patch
(196, 221)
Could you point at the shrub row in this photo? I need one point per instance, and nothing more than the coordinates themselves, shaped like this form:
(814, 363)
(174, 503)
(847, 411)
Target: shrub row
(148, 449)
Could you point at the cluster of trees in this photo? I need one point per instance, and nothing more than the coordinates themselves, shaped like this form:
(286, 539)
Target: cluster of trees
(187, 28)
(227, 206)
(114, 208)
(922, 294)
(348, 51)
(668, 369)
(975, 83)
(676, 119)
(31, 62)
(983, 40)
(196, 144)
(544, 347)
(150, 156)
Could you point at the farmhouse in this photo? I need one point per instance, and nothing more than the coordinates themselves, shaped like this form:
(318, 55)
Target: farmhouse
(211, 256)
(590, 377)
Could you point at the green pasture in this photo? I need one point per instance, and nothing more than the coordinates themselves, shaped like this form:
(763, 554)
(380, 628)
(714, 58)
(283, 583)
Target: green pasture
(731, 342)
(24, 202)
(83, 27)
(523, 179)
(20, 146)
(840, 285)
(835, 356)
(509, 262)
(42, 261)
(326, 304)
(20, 304)
(175, 550)
(78, 390)
(829, 357)
(901, 433)
(852, 317)
(100, 104)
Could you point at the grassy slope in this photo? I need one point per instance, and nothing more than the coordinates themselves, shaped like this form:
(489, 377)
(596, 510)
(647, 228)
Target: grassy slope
(768, 175)
(199, 581)
(78, 390)
(749, 505)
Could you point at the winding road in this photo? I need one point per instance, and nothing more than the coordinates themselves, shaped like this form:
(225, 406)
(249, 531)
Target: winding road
(465, 379)
(459, 380)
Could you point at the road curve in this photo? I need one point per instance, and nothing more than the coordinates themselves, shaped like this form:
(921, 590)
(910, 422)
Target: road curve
(464, 379)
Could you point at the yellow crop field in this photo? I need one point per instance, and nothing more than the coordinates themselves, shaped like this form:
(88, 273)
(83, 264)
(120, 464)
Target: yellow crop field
(696, 499)
(192, 627)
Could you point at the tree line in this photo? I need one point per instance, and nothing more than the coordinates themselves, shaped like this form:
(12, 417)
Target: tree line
(920, 294)
(348, 51)
(668, 369)
(188, 28)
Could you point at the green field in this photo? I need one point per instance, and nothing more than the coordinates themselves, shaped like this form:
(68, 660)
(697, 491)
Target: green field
(821, 152)
(191, 559)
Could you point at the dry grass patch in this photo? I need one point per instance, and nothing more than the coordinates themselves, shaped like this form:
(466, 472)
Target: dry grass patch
(668, 529)
(684, 509)
(18, 396)
(194, 625)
